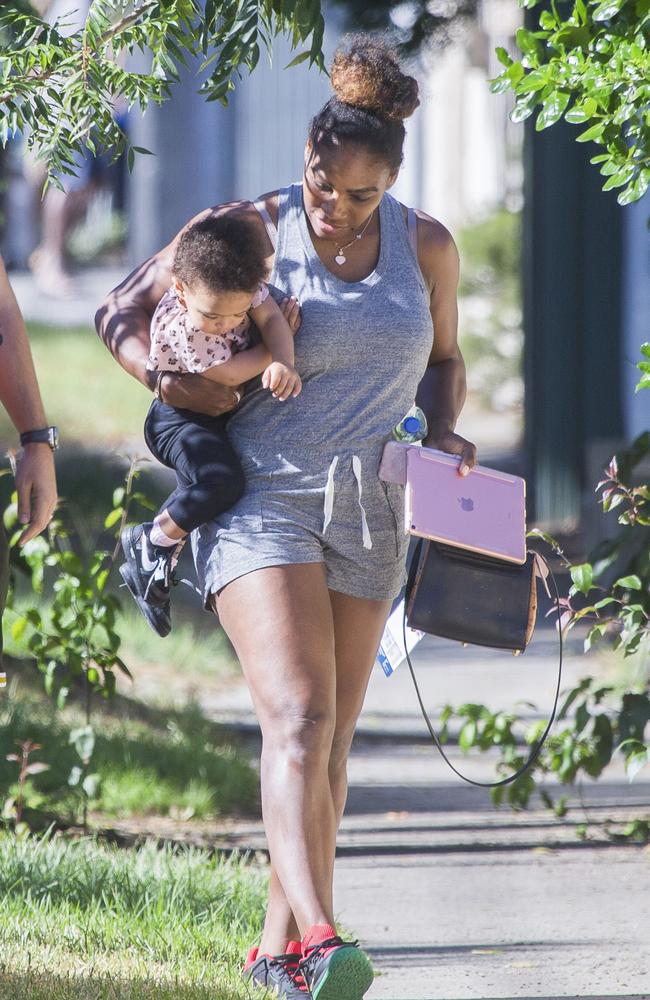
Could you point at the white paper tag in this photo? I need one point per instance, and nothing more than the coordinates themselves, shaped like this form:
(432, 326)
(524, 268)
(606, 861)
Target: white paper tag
(391, 650)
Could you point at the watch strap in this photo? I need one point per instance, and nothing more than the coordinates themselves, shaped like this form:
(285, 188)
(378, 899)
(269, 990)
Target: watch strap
(41, 435)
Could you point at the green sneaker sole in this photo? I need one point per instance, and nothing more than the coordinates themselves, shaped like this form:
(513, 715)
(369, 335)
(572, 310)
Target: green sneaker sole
(348, 976)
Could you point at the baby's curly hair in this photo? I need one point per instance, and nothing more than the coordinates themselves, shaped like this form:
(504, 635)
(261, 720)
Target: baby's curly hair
(223, 252)
(371, 98)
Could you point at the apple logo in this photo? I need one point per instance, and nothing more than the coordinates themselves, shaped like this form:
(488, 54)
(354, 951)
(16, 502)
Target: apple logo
(466, 503)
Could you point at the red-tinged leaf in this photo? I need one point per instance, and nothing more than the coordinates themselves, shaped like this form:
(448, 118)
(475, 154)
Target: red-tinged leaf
(36, 768)
(566, 619)
(612, 468)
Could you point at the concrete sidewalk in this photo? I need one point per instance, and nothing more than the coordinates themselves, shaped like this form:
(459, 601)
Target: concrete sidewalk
(91, 285)
(454, 899)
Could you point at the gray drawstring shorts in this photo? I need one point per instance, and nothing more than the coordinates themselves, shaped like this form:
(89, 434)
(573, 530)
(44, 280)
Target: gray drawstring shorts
(332, 510)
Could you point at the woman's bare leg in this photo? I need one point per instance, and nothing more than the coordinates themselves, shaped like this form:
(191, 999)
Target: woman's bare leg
(358, 625)
(286, 649)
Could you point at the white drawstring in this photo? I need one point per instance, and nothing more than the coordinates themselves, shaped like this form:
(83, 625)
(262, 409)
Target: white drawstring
(329, 499)
(365, 530)
(329, 493)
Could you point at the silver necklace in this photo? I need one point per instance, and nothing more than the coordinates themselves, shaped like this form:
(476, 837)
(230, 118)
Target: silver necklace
(340, 258)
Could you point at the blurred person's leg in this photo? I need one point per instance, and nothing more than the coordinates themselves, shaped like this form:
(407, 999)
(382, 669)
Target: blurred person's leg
(60, 211)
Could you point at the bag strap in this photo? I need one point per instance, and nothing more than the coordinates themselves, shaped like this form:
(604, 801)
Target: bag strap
(534, 753)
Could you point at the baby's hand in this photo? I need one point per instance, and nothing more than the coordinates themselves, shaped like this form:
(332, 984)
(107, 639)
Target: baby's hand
(291, 312)
(283, 380)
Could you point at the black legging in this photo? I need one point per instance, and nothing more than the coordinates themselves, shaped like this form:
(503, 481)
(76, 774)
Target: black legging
(208, 471)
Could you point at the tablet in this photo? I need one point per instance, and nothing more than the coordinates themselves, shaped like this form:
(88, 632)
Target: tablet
(484, 511)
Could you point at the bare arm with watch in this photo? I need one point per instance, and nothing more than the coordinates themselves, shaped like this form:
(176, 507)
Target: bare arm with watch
(19, 394)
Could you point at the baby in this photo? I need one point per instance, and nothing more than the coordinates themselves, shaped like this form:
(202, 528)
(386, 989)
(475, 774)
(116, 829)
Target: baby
(202, 324)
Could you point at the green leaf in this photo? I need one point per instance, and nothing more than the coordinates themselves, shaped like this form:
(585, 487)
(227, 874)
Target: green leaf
(467, 736)
(593, 133)
(596, 632)
(552, 110)
(582, 577)
(608, 9)
(620, 178)
(631, 582)
(606, 601)
(577, 115)
(521, 111)
(503, 56)
(528, 44)
(635, 763)
(533, 81)
(300, 58)
(113, 517)
(18, 628)
(636, 189)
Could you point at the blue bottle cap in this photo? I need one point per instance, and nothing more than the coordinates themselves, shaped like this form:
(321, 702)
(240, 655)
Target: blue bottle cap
(411, 425)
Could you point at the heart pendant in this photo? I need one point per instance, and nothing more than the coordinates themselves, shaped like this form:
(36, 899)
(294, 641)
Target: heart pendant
(340, 259)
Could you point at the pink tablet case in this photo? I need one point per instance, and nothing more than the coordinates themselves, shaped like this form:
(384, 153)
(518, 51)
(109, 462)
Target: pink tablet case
(484, 511)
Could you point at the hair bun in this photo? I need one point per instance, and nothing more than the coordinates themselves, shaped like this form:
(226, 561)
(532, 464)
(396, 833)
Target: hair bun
(366, 74)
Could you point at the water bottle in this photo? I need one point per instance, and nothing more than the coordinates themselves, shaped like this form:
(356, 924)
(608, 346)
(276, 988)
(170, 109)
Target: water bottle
(412, 427)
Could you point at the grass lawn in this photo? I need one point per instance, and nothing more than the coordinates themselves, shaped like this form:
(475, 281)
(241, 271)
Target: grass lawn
(151, 762)
(80, 921)
(85, 392)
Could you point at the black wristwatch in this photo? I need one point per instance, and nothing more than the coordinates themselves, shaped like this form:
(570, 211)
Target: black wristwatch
(45, 435)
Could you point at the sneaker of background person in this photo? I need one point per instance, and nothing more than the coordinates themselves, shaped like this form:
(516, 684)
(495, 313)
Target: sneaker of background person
(280, 973)
(334, 969)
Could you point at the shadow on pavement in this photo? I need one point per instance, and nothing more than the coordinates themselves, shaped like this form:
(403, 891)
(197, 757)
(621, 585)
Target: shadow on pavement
(391, 957)
(451, 798)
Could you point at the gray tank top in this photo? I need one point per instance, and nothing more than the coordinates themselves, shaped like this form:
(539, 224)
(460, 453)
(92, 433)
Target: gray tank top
(361, 350)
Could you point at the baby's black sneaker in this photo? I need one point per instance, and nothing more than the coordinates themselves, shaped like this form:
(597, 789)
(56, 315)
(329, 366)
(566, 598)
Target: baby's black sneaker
(147, 573)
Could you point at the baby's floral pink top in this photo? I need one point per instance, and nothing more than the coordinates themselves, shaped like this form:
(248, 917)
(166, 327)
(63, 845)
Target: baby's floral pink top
(177, 346)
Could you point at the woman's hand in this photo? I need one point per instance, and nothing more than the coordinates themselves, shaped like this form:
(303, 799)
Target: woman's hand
(444, 439)
(195, 392)
(290, 309)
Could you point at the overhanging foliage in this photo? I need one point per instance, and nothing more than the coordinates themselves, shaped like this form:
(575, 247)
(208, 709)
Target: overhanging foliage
(60, 87)
(589, 63)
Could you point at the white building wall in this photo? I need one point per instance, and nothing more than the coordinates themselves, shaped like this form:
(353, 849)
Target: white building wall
(467, 149)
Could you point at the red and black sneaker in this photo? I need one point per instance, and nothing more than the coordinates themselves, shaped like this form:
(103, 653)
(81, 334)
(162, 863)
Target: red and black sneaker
(280, 973)
(334, 969)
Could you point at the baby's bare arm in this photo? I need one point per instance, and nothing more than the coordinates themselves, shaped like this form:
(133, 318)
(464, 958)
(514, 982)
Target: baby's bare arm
(241, 366)
(274, 331)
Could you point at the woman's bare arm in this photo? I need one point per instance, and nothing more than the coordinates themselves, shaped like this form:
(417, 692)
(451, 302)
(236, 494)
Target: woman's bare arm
(442, 390)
